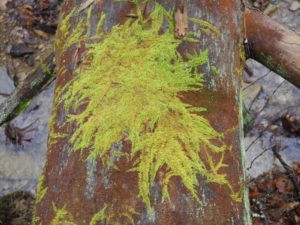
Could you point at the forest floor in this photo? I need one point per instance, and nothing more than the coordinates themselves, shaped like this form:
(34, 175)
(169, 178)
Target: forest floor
(27, 30)
(272, 132)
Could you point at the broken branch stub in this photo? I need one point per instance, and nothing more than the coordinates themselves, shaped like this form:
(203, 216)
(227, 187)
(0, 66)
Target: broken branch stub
(273, 45)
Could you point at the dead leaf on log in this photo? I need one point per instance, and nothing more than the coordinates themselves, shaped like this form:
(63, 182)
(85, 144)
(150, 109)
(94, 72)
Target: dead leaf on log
(283, 184)
(41, 34)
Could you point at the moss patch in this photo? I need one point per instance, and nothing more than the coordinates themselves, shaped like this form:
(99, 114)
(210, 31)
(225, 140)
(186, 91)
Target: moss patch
(131, 86)
(110, 216)
(62, 217)
(41, 191)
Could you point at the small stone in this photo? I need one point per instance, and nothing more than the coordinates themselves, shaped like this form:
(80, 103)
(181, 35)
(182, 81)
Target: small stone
(295, 6)
(251, 92)
(273, 127)
(20, 32)
(256, 5)
(264, 123)
(6, 84)
(19, 50)
(30, 60)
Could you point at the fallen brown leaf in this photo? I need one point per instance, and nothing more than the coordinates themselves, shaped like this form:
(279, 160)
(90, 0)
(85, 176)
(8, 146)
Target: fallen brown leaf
(257, 222)
(289, 207)
(283, 184)
(41, 34)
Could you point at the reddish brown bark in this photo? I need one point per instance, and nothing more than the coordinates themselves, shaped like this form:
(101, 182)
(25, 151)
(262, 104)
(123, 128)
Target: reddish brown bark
(273, 45)
(83, 188)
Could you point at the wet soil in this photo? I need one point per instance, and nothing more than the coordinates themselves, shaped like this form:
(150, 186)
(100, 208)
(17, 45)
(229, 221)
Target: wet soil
(27, 30)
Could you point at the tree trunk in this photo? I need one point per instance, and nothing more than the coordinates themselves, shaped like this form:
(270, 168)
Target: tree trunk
(137, 181)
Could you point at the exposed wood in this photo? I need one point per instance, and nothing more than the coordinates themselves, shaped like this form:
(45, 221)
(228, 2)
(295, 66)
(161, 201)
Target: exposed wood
(273, 45)
(181, 18)
(81, 188)
(27, 89)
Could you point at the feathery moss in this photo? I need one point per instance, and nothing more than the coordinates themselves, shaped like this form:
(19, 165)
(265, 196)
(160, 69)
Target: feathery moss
(131, 86)
(41, 191)
(110, 216)
(62, 217)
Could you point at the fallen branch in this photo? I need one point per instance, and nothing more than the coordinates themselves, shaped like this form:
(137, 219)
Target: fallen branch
(273, 45)
(32, 85)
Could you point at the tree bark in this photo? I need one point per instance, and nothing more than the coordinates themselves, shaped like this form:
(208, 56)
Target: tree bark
(74, 188)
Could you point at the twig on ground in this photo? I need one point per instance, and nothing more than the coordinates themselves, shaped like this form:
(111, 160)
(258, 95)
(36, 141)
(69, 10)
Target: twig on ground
(31, 86)
(290, 172)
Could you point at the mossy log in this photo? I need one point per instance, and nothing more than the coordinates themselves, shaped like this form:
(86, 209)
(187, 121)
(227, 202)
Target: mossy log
(273, 45)
(142, 136)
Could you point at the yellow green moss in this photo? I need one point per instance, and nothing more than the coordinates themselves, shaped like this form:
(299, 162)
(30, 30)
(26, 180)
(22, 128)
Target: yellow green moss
(62, 217)
(110, 216)
(63, 30)
(36, 220)
(207, 28)
(98, 217)
(216, 71)
(53, 136)
(88, 20)
(105, 215)
(131, 86)
(45, 68)
(20, 108)
(41, 191)
(68, 36)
